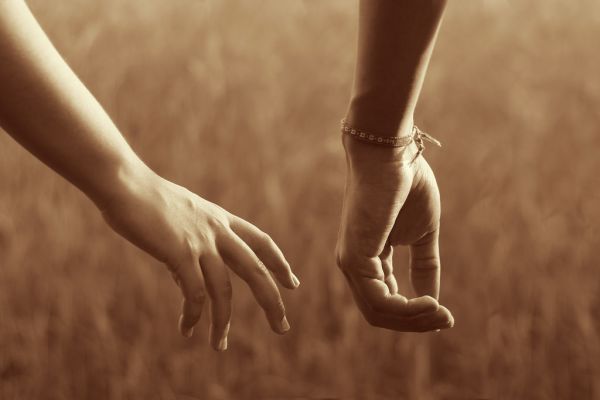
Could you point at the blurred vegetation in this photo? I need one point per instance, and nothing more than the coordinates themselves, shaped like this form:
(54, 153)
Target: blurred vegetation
(240, 102)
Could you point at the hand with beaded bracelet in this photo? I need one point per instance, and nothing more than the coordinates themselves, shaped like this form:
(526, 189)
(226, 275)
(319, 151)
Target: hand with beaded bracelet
(391, 196)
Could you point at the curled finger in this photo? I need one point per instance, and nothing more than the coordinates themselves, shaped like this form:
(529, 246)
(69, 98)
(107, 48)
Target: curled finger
(421, 322)
(189, 278)
(388, 269)
(376, 294)
(218, 286)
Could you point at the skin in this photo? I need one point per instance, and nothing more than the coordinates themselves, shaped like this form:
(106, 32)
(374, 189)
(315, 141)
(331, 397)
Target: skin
(47, 109)
(391, 198)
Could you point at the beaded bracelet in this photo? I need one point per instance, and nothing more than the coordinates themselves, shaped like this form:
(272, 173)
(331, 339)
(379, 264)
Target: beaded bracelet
(417, 136)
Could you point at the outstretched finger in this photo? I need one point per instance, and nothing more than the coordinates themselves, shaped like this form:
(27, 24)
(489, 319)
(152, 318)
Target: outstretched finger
(242, 260)
(266, 250)
(218, 286)
(189, 278)
(425, 265)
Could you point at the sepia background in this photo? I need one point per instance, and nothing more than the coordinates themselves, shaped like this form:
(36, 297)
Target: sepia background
(240, 101)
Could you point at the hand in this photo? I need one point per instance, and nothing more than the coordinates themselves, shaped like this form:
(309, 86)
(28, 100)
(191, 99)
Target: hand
(198, 240)
(390, 201)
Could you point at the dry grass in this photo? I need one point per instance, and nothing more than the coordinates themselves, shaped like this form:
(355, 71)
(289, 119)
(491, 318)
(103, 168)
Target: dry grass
(239, 101)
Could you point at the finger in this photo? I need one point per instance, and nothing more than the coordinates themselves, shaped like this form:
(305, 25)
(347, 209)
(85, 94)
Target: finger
(392, 284)
(190, 315)
(423, 322)
(379, 298)
(437, 320)
(425, 265)
(376, 294)
(242, 260)
(218, 286)
(441, 319)
(388, 270)
(267, 251)
(189, 278)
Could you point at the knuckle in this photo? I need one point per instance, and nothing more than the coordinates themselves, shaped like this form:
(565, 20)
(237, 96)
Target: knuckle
(262, 241)
(189, 202)
(265, 239)
(387, 270)
(217, 223)
(191, 247)
(368, 271)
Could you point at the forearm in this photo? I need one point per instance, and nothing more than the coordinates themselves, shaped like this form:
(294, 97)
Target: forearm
(395, 42)
(47, 109)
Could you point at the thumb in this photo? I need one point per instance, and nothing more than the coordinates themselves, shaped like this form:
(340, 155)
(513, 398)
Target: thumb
(425, 265)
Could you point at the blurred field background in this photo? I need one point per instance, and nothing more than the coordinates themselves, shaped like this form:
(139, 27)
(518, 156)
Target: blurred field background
(240, 102)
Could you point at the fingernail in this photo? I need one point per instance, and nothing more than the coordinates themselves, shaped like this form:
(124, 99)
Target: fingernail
(295, 281)
(222, 346)
(284, 325)
(185, 332)
(451, 321)
(447, 325)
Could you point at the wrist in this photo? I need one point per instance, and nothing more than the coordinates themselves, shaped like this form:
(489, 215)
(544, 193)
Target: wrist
(367, 155)
(381, 124)
(125, 181)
